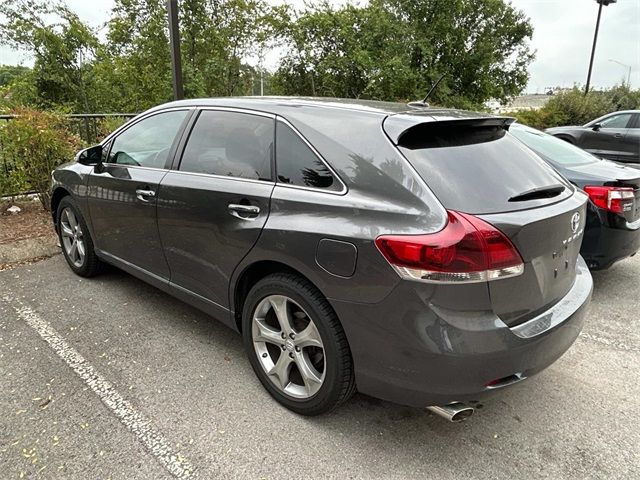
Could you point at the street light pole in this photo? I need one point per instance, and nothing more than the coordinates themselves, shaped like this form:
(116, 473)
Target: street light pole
(628, 67)
(601, 3)
(174, 41)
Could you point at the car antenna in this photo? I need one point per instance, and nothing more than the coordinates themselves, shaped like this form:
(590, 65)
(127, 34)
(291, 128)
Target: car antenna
(423, 103)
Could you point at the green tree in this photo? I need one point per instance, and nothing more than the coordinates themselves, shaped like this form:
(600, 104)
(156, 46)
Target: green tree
(345, 52)
(16, 86)
(396, 49)
(62, 50)
(132, 71)
(217, 36)
(10, 74)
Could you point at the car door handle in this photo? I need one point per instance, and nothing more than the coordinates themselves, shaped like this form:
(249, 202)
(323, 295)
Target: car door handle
(246, 212)
(617, 135)
(145, 195)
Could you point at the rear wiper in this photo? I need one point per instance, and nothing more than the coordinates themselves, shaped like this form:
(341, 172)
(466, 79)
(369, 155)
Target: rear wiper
(539, 192)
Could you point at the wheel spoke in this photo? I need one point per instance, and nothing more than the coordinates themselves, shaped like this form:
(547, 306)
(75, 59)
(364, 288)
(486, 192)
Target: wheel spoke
(279, 305)
(73, 251)
(66, 230)
(264, 333)
(72, 219)
(312, 380)
(81, 250)
(309, 337)
(281, 370)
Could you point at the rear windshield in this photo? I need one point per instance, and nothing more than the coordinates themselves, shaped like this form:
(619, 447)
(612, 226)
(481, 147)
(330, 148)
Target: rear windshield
(551, 148)
(480, 169)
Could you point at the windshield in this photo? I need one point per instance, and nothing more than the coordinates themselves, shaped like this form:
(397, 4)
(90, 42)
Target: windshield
(551, 148)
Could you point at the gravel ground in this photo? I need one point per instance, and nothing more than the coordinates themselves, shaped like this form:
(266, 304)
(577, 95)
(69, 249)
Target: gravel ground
(131, 383)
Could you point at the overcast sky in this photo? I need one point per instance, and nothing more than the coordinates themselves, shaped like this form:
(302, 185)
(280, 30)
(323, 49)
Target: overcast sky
(563, 33)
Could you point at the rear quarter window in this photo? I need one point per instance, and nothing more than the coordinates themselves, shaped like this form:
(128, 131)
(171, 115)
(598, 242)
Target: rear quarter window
(297, 164)
(478, 169)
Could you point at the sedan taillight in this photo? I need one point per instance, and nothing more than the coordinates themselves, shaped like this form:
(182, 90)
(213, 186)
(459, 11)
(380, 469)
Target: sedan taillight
(613, 199)
(467, 250)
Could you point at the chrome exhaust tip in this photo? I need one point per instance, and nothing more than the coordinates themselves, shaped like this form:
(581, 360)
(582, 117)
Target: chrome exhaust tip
(454, 412)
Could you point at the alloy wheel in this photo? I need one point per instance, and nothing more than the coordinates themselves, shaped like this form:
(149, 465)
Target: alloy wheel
(72, 237)
(288, 346)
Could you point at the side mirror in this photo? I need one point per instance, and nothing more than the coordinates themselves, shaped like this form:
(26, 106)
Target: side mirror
(595, 127)
(90, 156)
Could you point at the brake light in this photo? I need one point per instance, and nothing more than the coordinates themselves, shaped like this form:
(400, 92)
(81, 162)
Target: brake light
(614, 199)
(467, 250)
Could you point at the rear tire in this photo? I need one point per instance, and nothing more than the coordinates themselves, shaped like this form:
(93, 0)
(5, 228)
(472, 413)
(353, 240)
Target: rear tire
(75, 240)
(296, 345)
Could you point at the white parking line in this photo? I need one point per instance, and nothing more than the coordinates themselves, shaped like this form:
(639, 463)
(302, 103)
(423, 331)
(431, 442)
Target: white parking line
(142, 428)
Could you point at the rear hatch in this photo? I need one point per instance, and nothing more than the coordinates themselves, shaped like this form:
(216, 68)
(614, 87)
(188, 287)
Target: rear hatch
(549, 246)
(476, 167)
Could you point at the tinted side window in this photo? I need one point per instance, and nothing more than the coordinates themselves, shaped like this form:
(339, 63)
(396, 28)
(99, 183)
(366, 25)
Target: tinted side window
(230, 144)
(616, 121)
(147, 143)
(297, 164)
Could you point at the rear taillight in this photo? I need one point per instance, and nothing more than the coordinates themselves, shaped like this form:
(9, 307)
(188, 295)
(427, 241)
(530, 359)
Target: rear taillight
(614, 199)
(467, 250)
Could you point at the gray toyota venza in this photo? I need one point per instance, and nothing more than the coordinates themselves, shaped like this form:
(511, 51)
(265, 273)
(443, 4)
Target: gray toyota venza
(421, 256)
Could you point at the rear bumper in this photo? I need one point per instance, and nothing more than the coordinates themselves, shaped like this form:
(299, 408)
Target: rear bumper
(609, 240)
(410, 351)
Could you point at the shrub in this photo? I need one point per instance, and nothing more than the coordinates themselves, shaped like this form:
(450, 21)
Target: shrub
(533, 118)
(576, 108)
(12, 179)
(33, 144)
(109, 124)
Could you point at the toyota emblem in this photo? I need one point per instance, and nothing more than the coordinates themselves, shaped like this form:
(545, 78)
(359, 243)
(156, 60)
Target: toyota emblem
(575, 222)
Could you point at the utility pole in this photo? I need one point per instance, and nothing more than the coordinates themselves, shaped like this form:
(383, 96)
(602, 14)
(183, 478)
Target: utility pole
(261, 67)
(601, 3)
(174, 42)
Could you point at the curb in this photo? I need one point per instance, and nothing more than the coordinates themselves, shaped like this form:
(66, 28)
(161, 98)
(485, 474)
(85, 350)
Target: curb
(22, 250)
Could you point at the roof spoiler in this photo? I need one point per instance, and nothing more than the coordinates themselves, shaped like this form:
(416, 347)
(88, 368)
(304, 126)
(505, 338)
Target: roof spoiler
(396, 126)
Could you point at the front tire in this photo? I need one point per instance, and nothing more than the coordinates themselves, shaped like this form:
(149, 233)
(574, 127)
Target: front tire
(75, 240)
(296, 345)
(570, 140)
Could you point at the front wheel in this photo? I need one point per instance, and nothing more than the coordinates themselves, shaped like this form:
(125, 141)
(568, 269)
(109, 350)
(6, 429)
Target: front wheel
(296, 345)
(75, 240)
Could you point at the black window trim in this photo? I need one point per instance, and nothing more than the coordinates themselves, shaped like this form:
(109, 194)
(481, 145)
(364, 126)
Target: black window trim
(344, 188)
(109, 140)
(175, 167)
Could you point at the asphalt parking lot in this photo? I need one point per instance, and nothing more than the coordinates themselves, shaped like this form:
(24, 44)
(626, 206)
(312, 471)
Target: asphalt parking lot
(111, 378)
